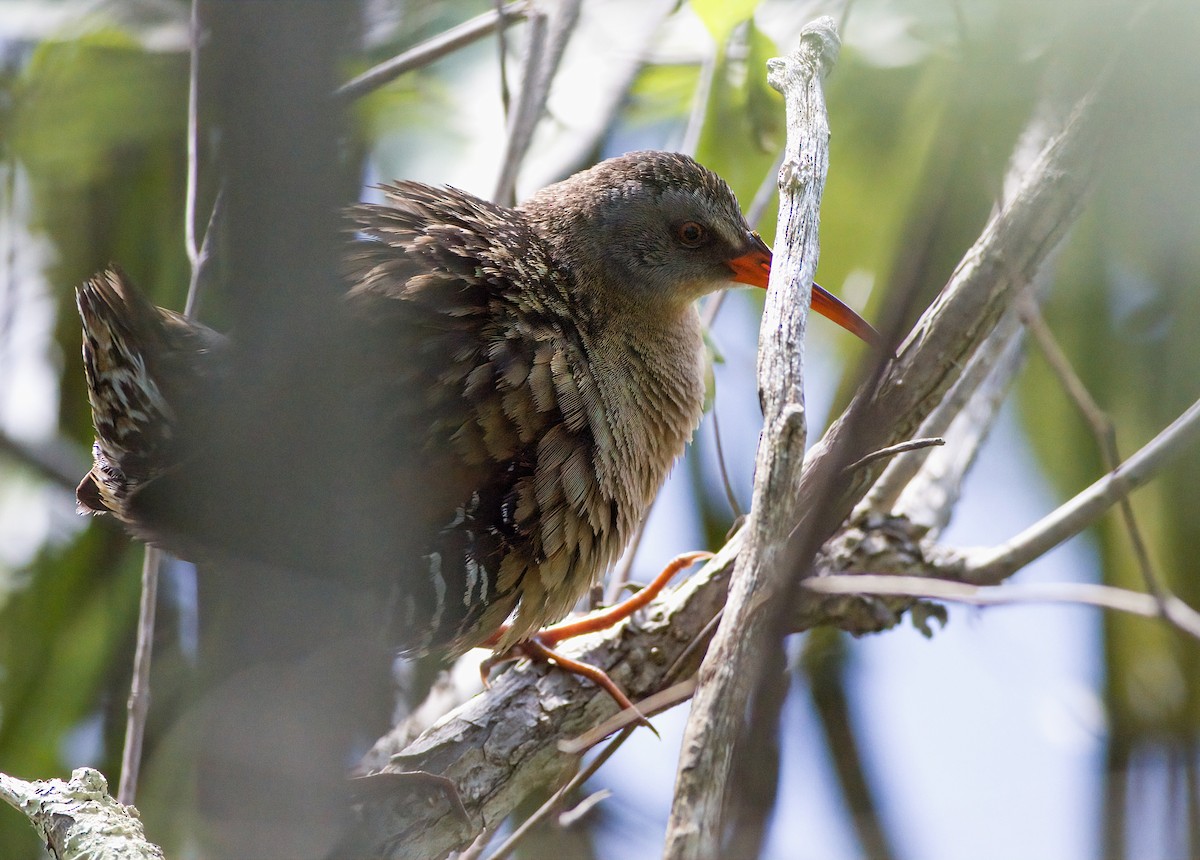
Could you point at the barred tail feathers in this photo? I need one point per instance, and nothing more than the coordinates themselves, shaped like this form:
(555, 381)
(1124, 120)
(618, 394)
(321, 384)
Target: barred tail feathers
(124, 336)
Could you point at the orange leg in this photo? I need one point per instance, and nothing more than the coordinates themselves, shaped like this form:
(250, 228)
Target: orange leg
(540, 646)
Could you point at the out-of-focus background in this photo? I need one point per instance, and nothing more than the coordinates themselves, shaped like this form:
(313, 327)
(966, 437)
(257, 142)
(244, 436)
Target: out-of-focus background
(1027, 731)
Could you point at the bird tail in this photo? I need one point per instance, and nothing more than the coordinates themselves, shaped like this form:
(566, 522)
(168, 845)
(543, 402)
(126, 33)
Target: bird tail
(138, 359)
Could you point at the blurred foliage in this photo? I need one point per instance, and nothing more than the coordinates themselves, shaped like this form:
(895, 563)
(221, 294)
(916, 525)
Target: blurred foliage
(743, 123)
(926, 103)
(1122, 306)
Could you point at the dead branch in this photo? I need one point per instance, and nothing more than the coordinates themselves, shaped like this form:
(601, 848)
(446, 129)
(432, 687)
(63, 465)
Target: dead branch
(731, 668)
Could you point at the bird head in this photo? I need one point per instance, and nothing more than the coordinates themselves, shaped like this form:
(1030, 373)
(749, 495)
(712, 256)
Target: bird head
(657, 230)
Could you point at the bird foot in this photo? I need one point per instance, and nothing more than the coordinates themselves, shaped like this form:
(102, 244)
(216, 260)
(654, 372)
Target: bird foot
(541, 645)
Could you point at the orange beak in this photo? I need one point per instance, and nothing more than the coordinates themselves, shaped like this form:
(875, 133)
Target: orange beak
(754, 268)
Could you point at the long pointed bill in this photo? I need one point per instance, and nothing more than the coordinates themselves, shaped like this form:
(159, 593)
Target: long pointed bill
(831, 307)
(754, 268)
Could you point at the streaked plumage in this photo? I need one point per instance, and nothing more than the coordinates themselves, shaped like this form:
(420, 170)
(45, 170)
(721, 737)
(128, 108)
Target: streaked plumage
(550, 356)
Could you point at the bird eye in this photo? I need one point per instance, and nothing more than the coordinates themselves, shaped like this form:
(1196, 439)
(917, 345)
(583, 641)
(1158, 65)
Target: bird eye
(691, 234)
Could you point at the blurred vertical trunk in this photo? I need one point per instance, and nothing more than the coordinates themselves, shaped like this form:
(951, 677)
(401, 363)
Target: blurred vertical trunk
(289, 656)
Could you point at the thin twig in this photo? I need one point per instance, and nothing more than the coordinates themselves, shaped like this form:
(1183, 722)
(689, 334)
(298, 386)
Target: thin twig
(1102, 428)
(431, 50)
(138, 706)
(993, 565)
(556, 799)
(200, 266)
(1179, 613)
(193, 141)
(54, 459)
(696, 643)
(502, 62)
(700, 99)
(730, 496)
(767, 192)
(548, 37)
(581, 809)
(620, 576)
(630, 718)
(893, 450)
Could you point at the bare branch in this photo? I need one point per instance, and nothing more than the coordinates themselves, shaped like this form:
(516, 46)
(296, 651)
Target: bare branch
(730, 495)
(544, 50)
(1082, 593)
(1102, 428)
(729, 672)
(201, 267)
(431, 50)
(55, 459)
(138, 706)
(990, 566)
(193, 139)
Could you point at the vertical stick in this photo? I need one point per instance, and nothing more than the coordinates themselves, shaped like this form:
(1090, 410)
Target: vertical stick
(744, 639)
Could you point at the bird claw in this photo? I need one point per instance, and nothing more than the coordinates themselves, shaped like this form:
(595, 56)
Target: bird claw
(541, 645)
(535, 649)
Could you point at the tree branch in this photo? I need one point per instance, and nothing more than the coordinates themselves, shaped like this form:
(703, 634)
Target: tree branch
(990, 566)
(547, 41)
(1080, 593)
(501, 744)
(78, 820)
(431, 50)
(1102, 428)
(730, 671)
(55, 459)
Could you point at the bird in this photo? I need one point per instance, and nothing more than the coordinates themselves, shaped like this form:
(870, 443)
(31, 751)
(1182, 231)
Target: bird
(550, 358)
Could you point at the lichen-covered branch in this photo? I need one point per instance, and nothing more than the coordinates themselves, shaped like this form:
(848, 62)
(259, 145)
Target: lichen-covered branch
(79, 820)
